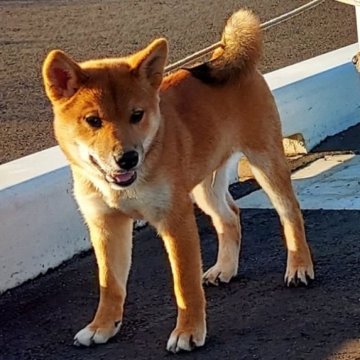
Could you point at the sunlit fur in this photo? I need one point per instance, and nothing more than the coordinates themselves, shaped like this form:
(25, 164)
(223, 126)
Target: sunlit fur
(190, 129)
(356, 61)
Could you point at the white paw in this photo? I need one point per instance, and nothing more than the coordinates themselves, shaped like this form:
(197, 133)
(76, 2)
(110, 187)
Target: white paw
(139, 224)
(220, 273)
(297, 275)
(186, 340)
(92, 335)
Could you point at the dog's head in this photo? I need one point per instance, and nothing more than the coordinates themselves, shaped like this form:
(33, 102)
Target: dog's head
(107, 111)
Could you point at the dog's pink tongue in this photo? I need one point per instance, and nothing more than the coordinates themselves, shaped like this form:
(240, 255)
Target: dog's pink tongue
(124, 177)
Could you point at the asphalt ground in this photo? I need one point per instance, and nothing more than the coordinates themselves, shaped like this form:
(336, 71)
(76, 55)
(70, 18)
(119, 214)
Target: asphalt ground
(254, 317)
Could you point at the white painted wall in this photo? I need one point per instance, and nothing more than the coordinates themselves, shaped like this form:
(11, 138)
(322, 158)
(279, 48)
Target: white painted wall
(318, 97)
(40, 226)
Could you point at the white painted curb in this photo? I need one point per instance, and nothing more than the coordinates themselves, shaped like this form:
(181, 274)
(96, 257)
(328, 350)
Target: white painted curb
(330, 183)
(40, 226)
(318, 97)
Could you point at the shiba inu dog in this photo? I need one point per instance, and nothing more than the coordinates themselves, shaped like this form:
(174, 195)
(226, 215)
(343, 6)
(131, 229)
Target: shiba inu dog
(142, 145)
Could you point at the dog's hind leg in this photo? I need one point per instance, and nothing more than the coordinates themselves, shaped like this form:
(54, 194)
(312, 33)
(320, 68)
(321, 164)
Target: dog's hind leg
(273, 175)
(213, 197)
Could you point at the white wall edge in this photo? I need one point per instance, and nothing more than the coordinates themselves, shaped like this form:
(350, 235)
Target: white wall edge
(304, 69)
(40, 225)
(31, 166)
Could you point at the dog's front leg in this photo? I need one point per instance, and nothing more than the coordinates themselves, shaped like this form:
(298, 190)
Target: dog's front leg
(111, 236)
(179, 232)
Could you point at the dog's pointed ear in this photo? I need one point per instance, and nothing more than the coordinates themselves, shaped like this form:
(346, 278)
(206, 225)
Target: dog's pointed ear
(62, 76)
(150, 62)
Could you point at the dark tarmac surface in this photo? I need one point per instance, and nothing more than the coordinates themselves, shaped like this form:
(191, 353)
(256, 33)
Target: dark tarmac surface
(254, 317)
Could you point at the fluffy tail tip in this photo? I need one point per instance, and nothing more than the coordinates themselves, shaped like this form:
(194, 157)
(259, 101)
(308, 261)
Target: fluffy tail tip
(242, 39)
(240, 51)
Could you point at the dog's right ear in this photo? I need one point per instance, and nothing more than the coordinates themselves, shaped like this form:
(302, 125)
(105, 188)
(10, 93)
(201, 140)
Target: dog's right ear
(149, 63)
(62, 76)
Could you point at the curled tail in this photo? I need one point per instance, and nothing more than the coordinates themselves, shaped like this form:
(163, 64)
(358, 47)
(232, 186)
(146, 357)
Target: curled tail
(240, 50)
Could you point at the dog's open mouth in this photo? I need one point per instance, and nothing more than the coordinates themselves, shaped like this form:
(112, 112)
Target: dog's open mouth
(121, 178)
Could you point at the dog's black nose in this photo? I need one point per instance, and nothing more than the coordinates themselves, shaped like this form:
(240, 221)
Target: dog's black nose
(128, 160)
(355, 59)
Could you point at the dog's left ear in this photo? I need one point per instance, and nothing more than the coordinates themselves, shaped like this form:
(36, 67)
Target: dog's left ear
(150, 62)
(62, 76)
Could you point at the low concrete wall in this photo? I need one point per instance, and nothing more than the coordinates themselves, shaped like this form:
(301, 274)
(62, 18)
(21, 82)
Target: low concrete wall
(40, 226)
(322, 97)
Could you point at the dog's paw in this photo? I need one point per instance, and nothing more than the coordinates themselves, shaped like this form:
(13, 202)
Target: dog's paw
(220, 273)
(96, 335)
(186, 340)
(299, 273)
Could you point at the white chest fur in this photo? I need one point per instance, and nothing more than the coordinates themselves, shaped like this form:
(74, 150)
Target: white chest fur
(145, 201)
(142, 201)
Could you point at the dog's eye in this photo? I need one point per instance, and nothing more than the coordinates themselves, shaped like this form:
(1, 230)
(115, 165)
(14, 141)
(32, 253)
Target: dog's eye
(94, 121)
(136, 116)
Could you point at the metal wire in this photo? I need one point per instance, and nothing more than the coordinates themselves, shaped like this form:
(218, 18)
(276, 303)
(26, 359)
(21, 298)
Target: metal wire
(265, 26)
